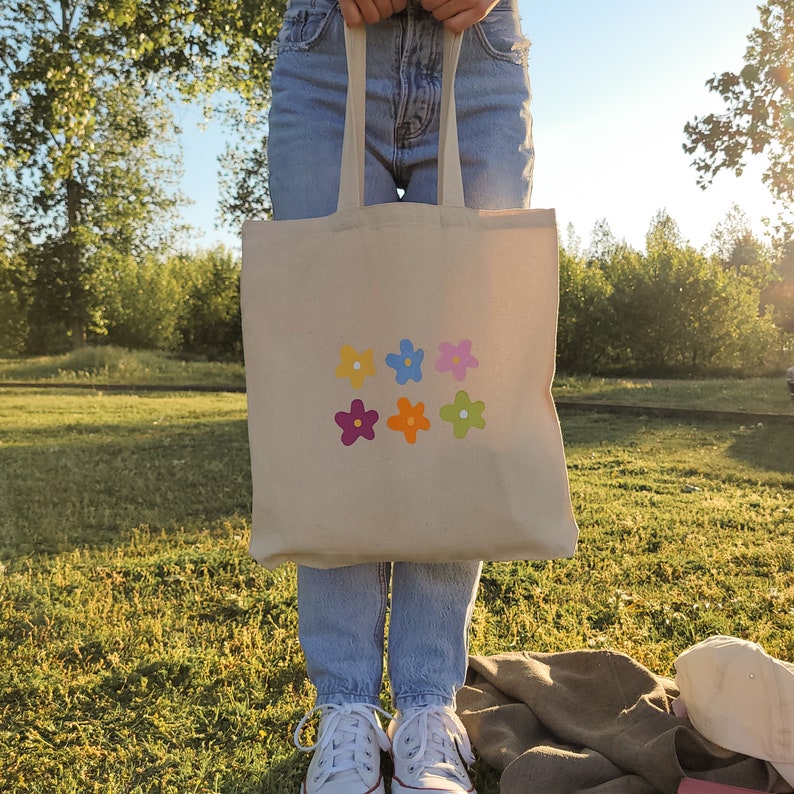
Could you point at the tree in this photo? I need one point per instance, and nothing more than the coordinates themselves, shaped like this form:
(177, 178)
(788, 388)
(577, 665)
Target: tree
(739, 251)
(84, 147)
(573, 242)
(676, 312)
(779, 294)
(729, 232)
(759, 114)
(210, 322)
(143, 310)
(13, 292)
(583, 333)
(603, 244)
(222, 48)
(87, 163)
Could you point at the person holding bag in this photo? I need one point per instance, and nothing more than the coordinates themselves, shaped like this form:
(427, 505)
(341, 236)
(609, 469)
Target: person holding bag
(342, 610)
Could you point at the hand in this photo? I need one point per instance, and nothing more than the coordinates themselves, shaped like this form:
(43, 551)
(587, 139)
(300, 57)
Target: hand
(357, 12)
(457, 15)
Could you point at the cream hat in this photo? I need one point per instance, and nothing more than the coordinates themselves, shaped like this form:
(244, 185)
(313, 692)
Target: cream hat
(740, 698)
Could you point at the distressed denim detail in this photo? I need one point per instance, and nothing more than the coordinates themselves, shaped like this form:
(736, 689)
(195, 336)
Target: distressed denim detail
(501, 37)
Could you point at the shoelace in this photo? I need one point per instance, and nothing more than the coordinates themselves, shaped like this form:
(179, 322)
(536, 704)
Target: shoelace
(434, 739)
(344, 738)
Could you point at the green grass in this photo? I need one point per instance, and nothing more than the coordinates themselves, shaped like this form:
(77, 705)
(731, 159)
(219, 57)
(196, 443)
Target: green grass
(107, 364)
(753, 395)
(143, 651)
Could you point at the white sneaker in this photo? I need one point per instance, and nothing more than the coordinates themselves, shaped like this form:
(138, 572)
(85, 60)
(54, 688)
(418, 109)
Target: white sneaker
(347, 751)
(431, 750)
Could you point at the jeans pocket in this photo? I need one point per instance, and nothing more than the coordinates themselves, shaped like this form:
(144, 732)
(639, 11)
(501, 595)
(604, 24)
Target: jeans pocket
(500, 34)
(304, 23)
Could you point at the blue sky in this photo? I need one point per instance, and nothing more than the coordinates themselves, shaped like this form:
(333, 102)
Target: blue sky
(613, 84)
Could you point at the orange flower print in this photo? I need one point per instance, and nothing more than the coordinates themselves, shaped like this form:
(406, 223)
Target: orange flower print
(410, 420)
(355, 365)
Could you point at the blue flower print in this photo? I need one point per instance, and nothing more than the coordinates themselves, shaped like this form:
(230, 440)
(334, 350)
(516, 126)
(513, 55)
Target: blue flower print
(407, 364)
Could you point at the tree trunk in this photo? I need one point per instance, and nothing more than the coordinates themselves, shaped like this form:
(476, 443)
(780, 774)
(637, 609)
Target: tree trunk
(74, 257)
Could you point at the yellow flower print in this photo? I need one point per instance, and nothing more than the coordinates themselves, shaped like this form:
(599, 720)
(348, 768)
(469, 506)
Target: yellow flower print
(355, 365)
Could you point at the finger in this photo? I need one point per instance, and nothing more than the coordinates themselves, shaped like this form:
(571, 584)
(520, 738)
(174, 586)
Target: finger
(432, 5)
(385, 8)
(446, 9)
(369, 11)
(459, 22)
(457, 15)
(351, 13)
(360, 11)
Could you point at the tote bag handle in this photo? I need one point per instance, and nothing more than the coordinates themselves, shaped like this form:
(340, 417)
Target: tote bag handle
(351, 183)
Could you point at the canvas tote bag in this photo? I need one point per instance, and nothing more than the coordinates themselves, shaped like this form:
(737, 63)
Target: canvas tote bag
(399, 361)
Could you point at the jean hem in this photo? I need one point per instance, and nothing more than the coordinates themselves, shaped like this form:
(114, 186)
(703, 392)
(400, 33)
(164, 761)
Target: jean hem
(422, 699)
(341, 698)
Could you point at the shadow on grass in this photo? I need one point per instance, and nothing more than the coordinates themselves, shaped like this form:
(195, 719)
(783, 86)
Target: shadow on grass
(769, 447)
(281, 777)
(90, 486)
(592, 427)
(766, 445)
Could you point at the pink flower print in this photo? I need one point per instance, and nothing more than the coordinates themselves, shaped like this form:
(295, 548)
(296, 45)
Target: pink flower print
(456, 359)
(358, 423)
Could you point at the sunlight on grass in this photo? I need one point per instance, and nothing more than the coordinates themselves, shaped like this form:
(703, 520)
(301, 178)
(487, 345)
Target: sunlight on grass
(145, 651)
(81, 466)
(756, 395)
(116, 365)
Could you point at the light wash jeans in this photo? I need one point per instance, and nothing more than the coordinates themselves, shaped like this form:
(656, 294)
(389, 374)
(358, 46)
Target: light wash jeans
(342, 611)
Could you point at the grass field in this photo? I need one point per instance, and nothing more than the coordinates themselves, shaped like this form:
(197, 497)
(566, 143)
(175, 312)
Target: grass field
(141, 650)
(98, 366)
(107, 364)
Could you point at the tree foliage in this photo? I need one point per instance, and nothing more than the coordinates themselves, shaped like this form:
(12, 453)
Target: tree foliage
(736, 248)
(220, 47)
(759, 112)
(583, 336)
(87, 161)
(670, 310)
(184, 303)
(13, 291)
(84, 148)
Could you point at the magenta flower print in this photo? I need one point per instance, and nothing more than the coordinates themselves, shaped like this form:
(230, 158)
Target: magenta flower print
(357, 423)
(456, 359)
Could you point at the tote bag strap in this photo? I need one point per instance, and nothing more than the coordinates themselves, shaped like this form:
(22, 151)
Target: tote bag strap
(351, 182)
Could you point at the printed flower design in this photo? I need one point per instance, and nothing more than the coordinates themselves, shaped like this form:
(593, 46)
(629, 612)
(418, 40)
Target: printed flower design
(408, 364)
(355, 365)
(358, 423)
(463, 414)
(456, 359)
(410, 420)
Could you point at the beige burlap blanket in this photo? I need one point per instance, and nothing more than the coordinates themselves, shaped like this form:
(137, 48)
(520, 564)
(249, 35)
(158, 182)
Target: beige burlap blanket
(590, 721)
